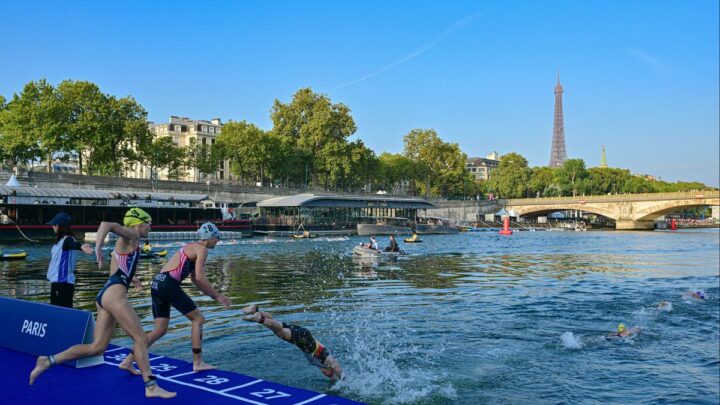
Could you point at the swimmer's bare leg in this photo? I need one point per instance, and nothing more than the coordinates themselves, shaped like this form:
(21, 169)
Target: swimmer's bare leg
(41, 366)
(104, 328)
(275, 326)
(250, 309)
(161, 326)
(116, 302)
(197, 319)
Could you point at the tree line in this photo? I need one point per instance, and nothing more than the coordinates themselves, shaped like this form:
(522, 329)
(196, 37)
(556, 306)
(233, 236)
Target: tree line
(308, 146)
(514, 179)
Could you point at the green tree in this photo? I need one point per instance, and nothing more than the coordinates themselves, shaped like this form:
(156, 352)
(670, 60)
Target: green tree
(32, 125)
(571, 175)
(422, 147)
(313, 130)
(245, 147)
(82, 105)
(394, 172)
(542, 182)
(637, 184)
(162, 153)
(510, 179)
(606, 180)
(206, 158)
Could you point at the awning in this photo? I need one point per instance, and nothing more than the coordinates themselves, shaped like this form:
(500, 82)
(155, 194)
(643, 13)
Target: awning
(83, 194)
(338, 201)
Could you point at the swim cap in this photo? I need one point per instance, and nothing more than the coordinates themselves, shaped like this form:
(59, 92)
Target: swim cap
(136, 216)
(700, 294)
(208, 230)
(61, 219)
(621, 327)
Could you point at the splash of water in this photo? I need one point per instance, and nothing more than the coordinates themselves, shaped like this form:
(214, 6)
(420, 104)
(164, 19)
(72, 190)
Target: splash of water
(570, 341)
(377, 367)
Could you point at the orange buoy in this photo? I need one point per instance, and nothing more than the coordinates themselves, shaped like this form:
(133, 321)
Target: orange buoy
(506, 227)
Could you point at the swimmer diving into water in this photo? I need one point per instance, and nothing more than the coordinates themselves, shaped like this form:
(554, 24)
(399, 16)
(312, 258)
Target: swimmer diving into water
(317, 354)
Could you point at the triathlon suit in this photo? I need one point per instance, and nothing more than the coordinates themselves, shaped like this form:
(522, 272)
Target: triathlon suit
(127, 263)
(314, 351)
(166, 289)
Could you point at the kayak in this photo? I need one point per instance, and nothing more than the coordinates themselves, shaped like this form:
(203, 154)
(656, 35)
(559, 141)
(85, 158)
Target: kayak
(154, 253)
(20, 255)
(302, 236)
(367, 252)
(411, 240)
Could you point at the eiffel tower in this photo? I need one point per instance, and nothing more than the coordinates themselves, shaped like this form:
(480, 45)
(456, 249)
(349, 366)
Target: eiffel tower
(558, 154)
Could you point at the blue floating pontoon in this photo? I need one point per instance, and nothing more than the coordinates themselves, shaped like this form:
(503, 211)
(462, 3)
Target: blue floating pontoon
(106, 384)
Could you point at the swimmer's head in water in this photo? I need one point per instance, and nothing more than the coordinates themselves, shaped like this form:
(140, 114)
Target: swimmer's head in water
(700, 294)
(621, 327)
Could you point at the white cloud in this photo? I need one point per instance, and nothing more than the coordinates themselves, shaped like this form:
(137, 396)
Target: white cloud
(428, 46)
(650, 60)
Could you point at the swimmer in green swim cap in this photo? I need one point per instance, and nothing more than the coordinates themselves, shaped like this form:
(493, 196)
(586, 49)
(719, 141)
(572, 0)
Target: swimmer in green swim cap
(623, 331)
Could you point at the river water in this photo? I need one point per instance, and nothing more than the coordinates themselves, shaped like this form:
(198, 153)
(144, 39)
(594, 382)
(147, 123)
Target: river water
(468, 318)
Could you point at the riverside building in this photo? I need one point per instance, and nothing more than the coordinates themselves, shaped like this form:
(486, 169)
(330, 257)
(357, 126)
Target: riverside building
(184, 132)
(481, 168)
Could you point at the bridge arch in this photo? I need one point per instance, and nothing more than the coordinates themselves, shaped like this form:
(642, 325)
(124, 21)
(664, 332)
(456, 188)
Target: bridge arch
(665, 208)
(548, 209)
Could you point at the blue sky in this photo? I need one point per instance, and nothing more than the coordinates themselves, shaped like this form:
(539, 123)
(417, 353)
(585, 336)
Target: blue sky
(640, 77)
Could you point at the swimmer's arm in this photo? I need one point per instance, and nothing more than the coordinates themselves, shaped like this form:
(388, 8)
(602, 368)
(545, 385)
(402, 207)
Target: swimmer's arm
(198, 277)
(102, 232)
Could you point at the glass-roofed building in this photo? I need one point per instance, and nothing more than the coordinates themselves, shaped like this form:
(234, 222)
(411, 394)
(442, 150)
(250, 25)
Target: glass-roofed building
(335, 214)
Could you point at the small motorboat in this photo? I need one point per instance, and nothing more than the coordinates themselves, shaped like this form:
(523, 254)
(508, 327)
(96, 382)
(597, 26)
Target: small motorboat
(304, 235)
(368, 252)
(15, 255)
(411, 240)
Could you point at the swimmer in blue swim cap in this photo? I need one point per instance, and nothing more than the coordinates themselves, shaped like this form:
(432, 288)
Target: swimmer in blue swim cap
(697, 294)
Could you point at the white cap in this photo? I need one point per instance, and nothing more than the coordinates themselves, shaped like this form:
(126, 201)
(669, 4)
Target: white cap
(208, 230)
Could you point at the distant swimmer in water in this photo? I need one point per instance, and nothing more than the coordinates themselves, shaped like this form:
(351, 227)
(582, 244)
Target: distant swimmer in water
(696, 294)
(317, 354)
(664, 306)
(623, 332)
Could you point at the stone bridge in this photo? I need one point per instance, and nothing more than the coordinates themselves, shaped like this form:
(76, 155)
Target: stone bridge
(630, 211)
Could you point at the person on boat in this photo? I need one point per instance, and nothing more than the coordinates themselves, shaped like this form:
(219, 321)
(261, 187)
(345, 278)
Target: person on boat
(315, 352)
(147, 247)
(393, 246)
(373, 243)
(306, 234)
(414, 236)
(112, 303)
(623, 331)
(63, 260)
(167, 291)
